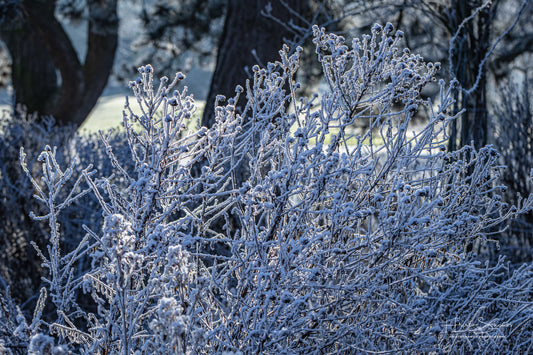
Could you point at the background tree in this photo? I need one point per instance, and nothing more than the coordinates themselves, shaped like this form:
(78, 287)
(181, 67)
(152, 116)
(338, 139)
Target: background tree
(178, 33)
(39, 47)
(235, 34)
(513, 113)
(243, 43)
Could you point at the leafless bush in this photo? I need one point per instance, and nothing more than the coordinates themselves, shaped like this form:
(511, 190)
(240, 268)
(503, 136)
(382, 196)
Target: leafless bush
(339, 245)
(514, 122)
(20, 266)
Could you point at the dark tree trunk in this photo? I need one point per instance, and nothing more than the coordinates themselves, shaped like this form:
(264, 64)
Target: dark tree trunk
(469, 50)
(33, 71)
(247, 31)
(81, 84)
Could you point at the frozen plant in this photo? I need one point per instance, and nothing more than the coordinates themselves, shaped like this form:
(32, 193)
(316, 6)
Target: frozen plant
(278, 230)
(20, 266)
(513, 114)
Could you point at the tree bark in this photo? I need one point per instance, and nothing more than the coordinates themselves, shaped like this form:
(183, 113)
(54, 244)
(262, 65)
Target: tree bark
(470, 48)
(33, 71)
(247, 31)
(71, 100)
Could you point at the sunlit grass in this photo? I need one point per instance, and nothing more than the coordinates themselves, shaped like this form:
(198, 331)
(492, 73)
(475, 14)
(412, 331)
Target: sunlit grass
(353, 138)
(107, 114)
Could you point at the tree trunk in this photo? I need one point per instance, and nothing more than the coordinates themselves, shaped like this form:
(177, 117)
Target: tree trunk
(247, 31)
(33, 71)
(470, 48)
(49, 46)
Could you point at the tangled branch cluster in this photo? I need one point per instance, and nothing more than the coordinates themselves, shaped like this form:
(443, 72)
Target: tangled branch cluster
(279, 230)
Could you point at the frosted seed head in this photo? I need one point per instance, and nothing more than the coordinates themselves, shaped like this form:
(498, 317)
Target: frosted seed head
(202, 131)
(412, 109)
(454, 84)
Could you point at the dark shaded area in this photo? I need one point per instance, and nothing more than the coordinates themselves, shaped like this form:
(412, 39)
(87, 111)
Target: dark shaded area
(469, 50)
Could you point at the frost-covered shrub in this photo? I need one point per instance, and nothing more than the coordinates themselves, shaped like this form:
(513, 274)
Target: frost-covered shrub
(514, 117)
(275, 231)
(18, 262)
(20, 266)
